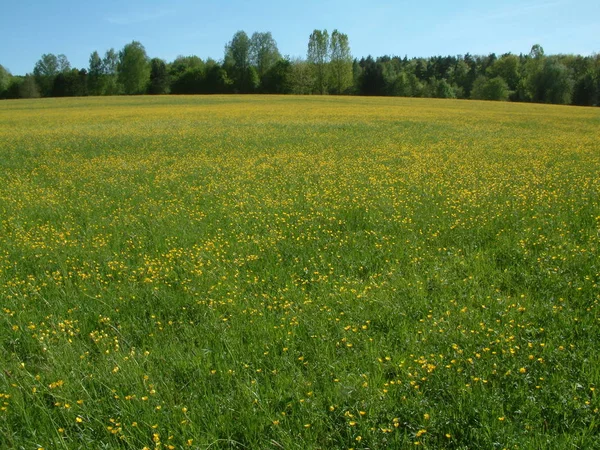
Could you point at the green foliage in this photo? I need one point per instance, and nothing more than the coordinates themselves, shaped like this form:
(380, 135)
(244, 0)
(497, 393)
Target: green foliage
(254, 65)
(95, 75)
(554, 83)
(187, 75)
(318, 57)
(507, 67)
(110, 63)
(585, 91)
(340, 63)
(443, 89)
(72, 83)
(183, 63)
(301, 77)
(372, 79)
(217, 80)
(159, 77)
(47, 68)
(490, 89)
(277, 80)
(133, 69)
(28, 88)
(263, 53)
(237, 63)
(4, 80)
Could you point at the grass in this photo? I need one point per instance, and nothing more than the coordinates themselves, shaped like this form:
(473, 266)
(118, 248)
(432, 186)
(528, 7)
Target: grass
(298, 272)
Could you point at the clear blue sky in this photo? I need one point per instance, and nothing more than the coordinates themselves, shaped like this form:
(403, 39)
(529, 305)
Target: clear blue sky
(30, 28)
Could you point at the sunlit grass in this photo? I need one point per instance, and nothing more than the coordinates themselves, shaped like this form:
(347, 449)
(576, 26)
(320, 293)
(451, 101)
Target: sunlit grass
(298, 272)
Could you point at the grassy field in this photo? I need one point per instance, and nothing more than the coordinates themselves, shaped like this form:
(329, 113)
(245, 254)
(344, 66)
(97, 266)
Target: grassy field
(298, 273)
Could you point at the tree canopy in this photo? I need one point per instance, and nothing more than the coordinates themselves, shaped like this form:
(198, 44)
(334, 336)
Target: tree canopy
(133, 69)
(254, 64)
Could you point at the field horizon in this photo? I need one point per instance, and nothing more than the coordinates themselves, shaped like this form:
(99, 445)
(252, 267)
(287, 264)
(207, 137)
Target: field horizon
(298, 272)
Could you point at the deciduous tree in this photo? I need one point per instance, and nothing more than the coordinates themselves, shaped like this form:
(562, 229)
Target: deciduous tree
(47, 68)
(237, 63)
(341, 63)
(133, 68)
(159, 77)
(28, 88)
(318, 57)
(263, 52)
(110, 63)
(95, 74)
(4, 81)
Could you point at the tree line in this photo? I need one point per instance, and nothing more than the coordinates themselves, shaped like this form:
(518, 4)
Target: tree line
(253, 64)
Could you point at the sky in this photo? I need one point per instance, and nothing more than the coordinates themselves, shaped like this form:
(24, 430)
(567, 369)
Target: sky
(167, 29)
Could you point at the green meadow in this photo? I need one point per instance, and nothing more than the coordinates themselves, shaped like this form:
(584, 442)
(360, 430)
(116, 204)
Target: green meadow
(264, 272)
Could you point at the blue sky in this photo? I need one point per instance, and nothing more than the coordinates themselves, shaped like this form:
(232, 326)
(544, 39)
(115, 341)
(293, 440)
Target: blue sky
(167, 29)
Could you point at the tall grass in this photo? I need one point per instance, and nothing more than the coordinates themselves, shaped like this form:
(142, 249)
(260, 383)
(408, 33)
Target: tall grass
(297, 272)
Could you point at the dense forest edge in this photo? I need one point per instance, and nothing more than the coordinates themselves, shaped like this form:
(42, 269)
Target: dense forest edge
(253, 64)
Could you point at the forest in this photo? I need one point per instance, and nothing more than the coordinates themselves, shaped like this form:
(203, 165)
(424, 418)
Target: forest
(254, 64)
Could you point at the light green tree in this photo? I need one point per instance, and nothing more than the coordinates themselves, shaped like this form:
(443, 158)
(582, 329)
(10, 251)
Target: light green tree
(110, 63)
(301, 77)
(490, 89)
(263, 52)
(533, 67)
(318, 58)
(4, 79)
(507, 67)
(341, 63)
(133, 68)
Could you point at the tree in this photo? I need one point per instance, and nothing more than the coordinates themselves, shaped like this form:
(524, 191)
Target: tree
(237, 63)
(585, 91)
(28, 88)
(184, 63)
(507, 67)
(490, 89)
(4, 81)
(533, 67)
(159, 77)
(14, 88)
(110, 63)
(187, 75)
(263, 53)
(372, 80)
(443, 89)
(277, 80)
(301, 77)
(216, 80)
(318, 57)
(72, 83)
(553, 83)
(133, 68)
(341, 63)
(95, 74)
(47, 68)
